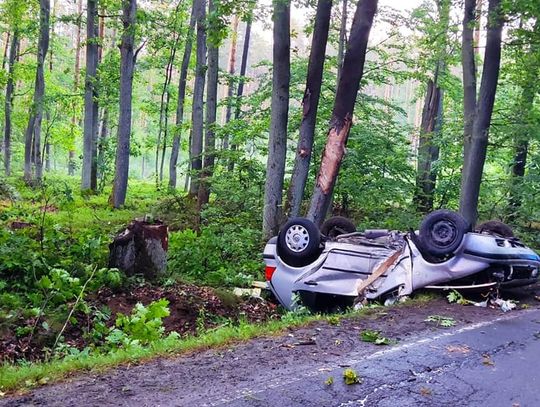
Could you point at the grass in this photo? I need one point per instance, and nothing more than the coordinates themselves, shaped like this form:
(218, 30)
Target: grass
(19, 378)
(13, 378)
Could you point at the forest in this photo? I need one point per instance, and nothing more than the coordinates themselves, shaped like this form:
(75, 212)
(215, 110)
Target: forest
(223, 119)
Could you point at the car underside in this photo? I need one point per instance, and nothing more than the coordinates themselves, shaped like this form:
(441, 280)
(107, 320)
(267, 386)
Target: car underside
(340, 265)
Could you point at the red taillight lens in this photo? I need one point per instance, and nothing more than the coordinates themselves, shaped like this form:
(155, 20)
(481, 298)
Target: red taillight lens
(268, 272)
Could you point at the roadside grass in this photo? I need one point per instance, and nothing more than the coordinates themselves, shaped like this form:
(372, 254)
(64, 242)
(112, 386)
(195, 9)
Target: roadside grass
(15, 378)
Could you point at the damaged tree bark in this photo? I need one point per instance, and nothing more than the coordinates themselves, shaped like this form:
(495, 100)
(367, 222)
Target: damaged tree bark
(141, 249)
(340, 124)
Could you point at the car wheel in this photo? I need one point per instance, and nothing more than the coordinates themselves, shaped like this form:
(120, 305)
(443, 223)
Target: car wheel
(337, 225)
(299, 242)
(495, 227)
(442, 231)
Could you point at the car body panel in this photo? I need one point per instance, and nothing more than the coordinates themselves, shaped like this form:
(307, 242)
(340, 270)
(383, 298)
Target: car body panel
(345, 262)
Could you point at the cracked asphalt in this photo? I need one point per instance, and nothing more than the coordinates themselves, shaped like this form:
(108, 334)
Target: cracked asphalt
(487, 359)
(495, 363)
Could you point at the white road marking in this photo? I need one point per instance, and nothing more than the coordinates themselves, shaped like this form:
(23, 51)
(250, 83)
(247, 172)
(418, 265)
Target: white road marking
(285, 381)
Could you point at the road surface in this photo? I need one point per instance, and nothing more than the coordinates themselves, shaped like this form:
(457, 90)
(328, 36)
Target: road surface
(492, 360)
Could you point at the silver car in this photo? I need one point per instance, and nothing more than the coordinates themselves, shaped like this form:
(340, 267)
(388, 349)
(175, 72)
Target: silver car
(335, 265)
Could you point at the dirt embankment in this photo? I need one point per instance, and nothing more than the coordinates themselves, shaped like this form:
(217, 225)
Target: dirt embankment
(191, 308)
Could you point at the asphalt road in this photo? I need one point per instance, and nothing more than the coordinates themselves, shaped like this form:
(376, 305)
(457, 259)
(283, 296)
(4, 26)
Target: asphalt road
(493, 360)
(496, 363)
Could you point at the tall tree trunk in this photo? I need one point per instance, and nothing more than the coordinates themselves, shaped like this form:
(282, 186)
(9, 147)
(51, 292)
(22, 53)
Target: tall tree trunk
(89, 166)
(46, 156)
(102, 141)
(164, 107)
(241, 82)
(428, 149)
(10, 87)
(310, 104)
(32, 150)
(197, 120)
(6, 48)
(175, 150)
(231, 69)
(529, 90)
(211, 109)
(104, 126)
(342, 37)
(472, 171)
(469, 76)
(127, 65)
(341, 121)
(424, 186)
(277, 142)
(477, 27)
(76, 80)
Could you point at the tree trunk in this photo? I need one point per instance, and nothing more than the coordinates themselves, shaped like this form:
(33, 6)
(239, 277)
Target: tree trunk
(89, 165)
(472, 171)
(241, 82)
(424, 186)
(211, 109)
(76, 79)
(6, 48)
(310, 104)
(469, 76)
(478, 27)
(164, 106)
(181, 97)
(428, 149)
(277, 142)
(529, 89)
(102, 142)
(231, 69)
(127, 65)
(341, 121)
(10, 88)
(104, 129)
(141, 249)
(197, 120)
(342, 38)
(32, 151)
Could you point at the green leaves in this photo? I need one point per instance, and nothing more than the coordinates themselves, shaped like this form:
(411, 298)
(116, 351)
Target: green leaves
(351, 377)
(375, 337)
(142, 327)
(445, 322)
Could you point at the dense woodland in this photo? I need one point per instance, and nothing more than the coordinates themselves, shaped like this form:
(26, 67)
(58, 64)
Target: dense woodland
(224, 118)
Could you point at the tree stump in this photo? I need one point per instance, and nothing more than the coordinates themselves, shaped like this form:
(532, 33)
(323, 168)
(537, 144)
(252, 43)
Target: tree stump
(141, 249)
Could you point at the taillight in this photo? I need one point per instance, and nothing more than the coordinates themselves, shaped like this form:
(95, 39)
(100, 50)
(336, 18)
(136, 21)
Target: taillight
(269, 272)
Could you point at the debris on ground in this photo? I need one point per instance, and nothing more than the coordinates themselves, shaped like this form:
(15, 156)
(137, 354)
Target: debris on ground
(351, 377)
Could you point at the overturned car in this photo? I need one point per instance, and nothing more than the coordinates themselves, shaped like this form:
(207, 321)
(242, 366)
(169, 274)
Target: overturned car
(337, 264)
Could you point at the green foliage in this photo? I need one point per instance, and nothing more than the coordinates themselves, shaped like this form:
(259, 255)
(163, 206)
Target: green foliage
(445, 322)
(351, 377)
(375, 337)
(8, 191)
(142, 327)
(455, 296)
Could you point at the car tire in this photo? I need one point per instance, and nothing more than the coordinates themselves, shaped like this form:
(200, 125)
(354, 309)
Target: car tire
(299, 242)
(441, 232)
(337, 225)
(495, 227)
